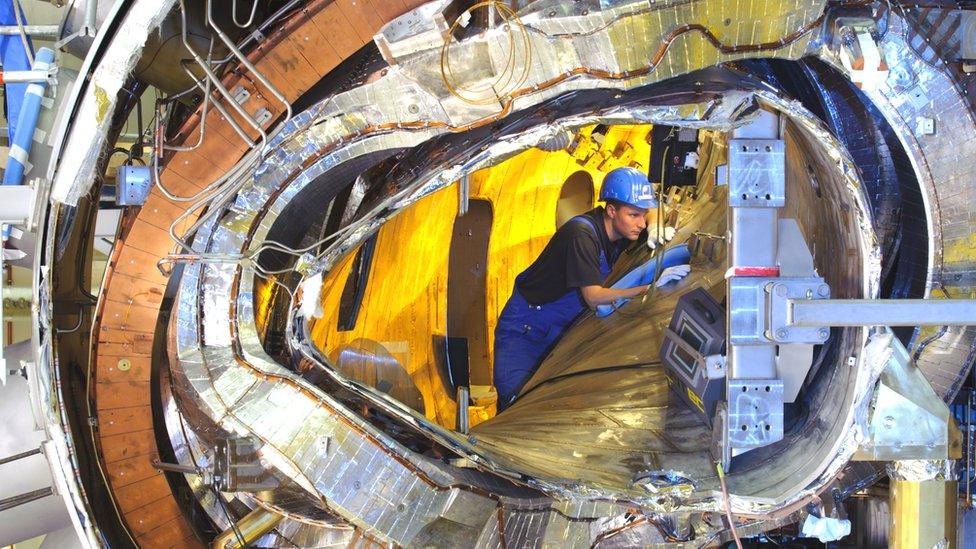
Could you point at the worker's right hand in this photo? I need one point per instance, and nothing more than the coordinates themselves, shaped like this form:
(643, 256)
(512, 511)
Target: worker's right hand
(654, 240)
(672, 274)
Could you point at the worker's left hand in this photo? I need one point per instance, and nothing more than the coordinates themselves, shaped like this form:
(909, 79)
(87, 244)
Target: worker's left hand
(653, 240)
(672, 274)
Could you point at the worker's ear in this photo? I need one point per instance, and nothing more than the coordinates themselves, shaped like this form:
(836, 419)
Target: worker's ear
(611, 210)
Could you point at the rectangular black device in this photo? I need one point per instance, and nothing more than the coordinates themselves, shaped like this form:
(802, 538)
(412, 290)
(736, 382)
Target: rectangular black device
(696, 331)
(670, 147)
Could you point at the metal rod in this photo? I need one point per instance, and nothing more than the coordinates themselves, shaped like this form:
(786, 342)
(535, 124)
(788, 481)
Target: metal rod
(463, 423)
(250, 66)
(91, 12)
(217, 82)
(464, 191)
(43, 31)
(969, 449)
(18, 17)
(11, 77)
(250, 21)
(882, 312)
(175, 467)
(20, 456)
(21, 499)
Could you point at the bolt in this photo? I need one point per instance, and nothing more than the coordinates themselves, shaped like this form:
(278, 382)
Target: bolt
(809, 294)
(782, 333)
(824, 333)
(781, 290)
(823, 290)
(889, 422)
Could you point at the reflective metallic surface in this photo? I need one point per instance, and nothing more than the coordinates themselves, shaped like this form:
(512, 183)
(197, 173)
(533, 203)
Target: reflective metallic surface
(595, 451)
(246, 397)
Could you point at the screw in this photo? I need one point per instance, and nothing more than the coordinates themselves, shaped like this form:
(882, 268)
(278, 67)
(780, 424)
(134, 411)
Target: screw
(823, 290)
(782, 333)
(824, 333)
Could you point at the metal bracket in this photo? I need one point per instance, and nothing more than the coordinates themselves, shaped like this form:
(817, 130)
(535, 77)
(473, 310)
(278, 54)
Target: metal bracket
(779, 309)
(238, 467)
(755, 413)
(16, 204)
(712, 365)
(756, 173)
(908, 419)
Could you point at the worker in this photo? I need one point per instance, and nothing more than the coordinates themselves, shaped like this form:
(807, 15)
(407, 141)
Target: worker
(569, 276)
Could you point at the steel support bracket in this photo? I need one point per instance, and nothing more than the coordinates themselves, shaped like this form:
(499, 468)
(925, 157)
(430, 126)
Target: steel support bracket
(907, 419)
(755, 413)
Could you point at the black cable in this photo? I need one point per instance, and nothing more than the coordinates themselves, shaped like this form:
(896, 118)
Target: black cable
(233, 522)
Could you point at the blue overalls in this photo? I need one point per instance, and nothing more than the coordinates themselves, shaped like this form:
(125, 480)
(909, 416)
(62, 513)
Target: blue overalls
(525, 332)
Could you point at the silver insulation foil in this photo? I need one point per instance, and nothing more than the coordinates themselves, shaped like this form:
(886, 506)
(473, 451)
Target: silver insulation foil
(340, 463)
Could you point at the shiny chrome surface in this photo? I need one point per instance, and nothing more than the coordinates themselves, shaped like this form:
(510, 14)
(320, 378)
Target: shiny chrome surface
(362, 472)
(330, 459)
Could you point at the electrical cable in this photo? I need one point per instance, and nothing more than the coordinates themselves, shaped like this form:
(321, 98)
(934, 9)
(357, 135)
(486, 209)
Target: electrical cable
(659, 222)
(18, 16)
(230, 518)
(728, 506)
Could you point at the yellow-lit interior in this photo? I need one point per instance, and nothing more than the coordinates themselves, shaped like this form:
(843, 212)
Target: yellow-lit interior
(405, 301)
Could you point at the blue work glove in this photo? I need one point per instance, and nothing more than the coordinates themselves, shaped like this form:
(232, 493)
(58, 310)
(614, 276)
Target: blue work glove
(672, 274)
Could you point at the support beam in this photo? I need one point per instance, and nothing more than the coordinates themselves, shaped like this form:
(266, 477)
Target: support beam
(923, 495)
(871, 312)
(923, 513)
(37, 31)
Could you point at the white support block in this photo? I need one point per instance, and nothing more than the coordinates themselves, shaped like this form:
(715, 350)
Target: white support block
(16, 204)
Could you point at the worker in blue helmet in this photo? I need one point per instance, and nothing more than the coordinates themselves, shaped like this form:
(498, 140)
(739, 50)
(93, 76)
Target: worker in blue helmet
(568, 277)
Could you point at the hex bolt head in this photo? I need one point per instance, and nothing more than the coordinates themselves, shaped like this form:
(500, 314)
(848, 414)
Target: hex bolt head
(823, 290)
(782, 333)
(824, 333)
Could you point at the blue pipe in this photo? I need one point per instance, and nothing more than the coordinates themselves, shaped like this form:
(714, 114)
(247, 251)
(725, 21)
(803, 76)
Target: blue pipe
(30, 110)
(14, 57)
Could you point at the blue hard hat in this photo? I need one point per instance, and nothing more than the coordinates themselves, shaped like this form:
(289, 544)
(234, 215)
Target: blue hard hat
(629, 186)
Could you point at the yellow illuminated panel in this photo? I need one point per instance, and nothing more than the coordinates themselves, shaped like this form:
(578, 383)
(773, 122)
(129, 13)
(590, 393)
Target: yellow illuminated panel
(404, 306)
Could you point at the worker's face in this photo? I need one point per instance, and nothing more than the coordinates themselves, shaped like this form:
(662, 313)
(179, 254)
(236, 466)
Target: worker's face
(628, 221)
